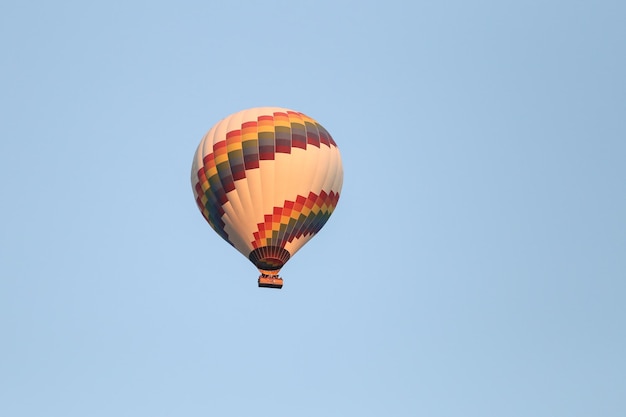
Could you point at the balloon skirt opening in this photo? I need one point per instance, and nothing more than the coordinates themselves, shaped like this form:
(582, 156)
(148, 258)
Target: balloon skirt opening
(269, 258)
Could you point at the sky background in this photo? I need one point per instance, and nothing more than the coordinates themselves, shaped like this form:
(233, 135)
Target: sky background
(475, 264)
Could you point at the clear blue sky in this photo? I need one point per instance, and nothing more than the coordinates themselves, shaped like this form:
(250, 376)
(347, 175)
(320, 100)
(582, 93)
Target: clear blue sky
(475, 265)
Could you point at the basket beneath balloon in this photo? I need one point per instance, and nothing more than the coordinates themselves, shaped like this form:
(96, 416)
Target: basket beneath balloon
(269, 281)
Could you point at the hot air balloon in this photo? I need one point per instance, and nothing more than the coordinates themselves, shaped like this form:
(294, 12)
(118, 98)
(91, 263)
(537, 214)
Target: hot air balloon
(266, 180)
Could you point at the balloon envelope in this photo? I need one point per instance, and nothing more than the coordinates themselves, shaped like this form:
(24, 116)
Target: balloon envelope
(267, 179)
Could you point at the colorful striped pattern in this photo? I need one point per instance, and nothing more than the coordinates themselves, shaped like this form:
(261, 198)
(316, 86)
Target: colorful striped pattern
(211, 196)
(302, 217)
